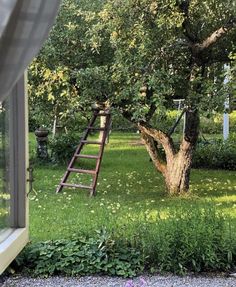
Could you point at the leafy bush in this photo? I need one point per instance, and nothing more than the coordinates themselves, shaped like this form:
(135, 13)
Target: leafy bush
(63, 147)
(208, 125)
(82, 256)
(192, 238)
(216, 154)
(211, 125)
(214, 124)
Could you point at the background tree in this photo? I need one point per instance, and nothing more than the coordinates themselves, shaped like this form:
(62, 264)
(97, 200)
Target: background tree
(53, 89)
(164, 50)
(142, 54)
(52, 97)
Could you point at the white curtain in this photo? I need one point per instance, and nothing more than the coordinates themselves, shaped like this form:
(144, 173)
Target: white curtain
(24, 26)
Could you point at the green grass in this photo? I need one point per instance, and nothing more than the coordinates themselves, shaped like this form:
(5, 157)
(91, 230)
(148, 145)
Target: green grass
(129, 191)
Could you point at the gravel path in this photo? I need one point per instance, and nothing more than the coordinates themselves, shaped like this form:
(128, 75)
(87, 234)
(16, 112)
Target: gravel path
(145, 281)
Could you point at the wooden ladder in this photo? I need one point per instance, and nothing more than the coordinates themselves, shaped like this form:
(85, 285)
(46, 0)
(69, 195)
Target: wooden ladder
(77, 155)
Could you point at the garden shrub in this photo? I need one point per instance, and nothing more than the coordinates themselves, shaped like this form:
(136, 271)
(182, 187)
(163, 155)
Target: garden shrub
(211, 125)
(232, 119)
(208, 125)
(82, 256)
(63, 146)
(216, 154)
(166, 120)
(214, 123)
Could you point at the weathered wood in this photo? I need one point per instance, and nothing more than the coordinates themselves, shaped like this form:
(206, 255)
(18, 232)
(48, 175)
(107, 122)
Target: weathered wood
(76, 185)
(87, 156)
(77, 155)
(91, 142)
(177, 164)
(80, 170)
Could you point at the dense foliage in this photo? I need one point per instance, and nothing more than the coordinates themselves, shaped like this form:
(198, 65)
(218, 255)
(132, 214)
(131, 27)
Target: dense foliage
(139, 56)
(190, 239)
(113, 50)
(215, 154)
(82, 256)
(187, 240)
(63, 147)
(53, 88)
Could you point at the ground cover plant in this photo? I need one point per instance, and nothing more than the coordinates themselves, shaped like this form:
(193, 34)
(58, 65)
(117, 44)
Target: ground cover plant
(83, 255)
(195, 232)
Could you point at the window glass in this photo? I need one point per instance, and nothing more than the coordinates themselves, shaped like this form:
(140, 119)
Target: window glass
(4, 170)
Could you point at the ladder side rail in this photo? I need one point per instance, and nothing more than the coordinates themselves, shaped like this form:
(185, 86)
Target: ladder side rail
(84, 137)
(78, 150)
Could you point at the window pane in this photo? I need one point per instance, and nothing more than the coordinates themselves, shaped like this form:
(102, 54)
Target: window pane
(4, 170)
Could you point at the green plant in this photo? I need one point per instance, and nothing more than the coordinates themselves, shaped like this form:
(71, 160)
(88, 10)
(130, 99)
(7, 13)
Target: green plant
(216, 154)
(82, 256)
(52, 96)
(63, 146)
(133, 207)
(188, 239)
(214, 123)
(140, 66)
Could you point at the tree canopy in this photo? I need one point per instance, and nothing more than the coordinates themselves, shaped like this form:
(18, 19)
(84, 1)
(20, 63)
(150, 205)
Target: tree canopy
(140, 55)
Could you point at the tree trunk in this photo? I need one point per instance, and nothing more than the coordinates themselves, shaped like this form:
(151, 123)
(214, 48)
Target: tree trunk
(102, 126)
(177, 173)
(54, 127)
(176, 165)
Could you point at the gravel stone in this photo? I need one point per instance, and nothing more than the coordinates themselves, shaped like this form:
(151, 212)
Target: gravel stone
(97, 281)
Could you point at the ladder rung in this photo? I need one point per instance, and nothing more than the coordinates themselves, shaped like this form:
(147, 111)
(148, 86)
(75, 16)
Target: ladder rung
(91, 142)
(76, 185)
(87, 156)
(103, 114)
(96, 129)
(89, 171)
(98, 157)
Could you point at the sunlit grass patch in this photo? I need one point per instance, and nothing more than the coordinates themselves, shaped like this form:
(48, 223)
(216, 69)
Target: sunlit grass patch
(128, 188)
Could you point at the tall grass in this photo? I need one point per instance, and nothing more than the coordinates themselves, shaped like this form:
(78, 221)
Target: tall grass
(190, 238)
(195, 233)
(194, 238)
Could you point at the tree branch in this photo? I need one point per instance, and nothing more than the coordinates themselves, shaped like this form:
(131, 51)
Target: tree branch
(191, 127)
(184, 8)
(160, 137)
(151, 112)
(153, 152)
(152, 106)
(214, 37)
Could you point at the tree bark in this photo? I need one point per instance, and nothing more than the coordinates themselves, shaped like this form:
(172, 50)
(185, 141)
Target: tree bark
(176, 165)
(177, 175)
(102, 126)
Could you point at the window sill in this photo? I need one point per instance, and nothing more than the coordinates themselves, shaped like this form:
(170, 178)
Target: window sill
(12, 246)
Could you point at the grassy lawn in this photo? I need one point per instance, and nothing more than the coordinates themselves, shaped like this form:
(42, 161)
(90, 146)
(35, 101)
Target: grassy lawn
(129, 191)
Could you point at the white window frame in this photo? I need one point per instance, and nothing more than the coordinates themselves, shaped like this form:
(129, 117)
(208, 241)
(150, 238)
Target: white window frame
(17, 235)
